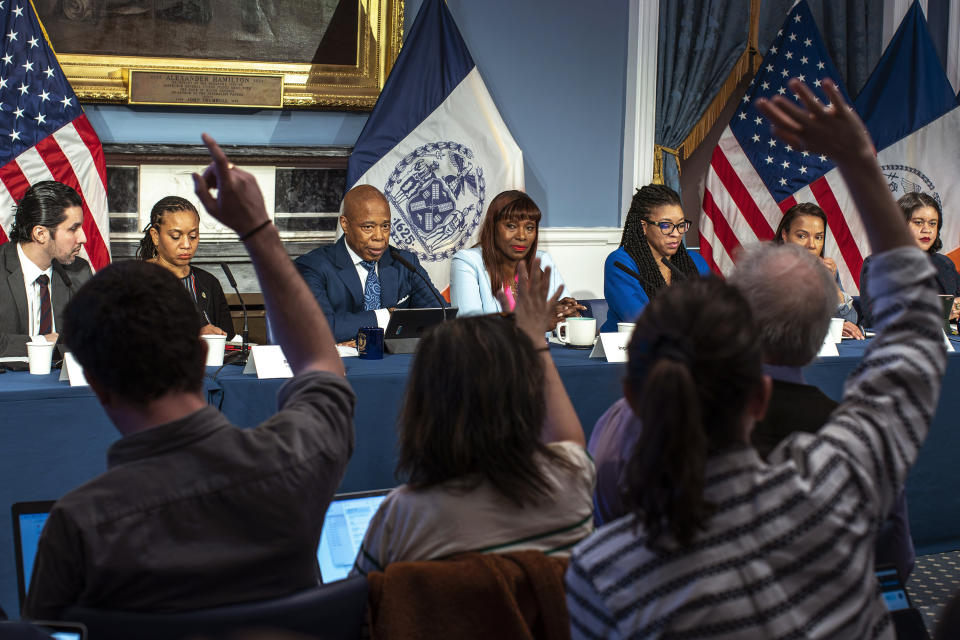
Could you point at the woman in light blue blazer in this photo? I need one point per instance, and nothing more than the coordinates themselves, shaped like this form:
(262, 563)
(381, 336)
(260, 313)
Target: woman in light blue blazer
(508, 237)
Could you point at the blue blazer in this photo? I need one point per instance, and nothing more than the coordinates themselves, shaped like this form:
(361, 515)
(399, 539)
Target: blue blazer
(333, 279)
(470, 288)
(625, 295)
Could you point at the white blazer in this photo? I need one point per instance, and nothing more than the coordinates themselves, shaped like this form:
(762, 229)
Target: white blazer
(470, 288)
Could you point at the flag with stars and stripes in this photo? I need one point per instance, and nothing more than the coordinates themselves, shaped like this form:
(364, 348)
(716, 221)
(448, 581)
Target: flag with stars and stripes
(754, 177)
(45, 134)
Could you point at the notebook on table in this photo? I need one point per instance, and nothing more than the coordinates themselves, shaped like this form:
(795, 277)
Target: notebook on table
(344, 527)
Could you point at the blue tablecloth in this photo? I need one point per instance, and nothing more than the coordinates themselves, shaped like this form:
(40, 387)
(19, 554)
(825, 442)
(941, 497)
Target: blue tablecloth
(54, 437)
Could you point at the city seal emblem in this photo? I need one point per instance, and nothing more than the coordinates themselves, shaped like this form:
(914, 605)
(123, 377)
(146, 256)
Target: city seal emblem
(437, 193)
(903, 180)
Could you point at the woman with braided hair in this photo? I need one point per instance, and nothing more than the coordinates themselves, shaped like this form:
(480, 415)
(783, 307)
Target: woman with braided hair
(651, 254)
(170, 240)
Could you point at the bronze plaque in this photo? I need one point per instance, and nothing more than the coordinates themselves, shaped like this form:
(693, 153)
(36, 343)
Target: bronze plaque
(206, 89)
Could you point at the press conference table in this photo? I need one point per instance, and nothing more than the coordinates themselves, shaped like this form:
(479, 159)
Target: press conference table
(54, 437)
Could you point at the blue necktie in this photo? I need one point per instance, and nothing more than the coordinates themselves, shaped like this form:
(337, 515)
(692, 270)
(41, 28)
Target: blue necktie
(371, 290)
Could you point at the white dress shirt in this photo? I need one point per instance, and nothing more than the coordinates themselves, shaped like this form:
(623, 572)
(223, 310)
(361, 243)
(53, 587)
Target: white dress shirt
(30, 274)
(383, 315)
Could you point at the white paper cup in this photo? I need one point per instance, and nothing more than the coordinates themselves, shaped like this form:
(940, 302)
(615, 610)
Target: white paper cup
(215, 346)
(40, 354)
(836, 330)
(579, 332)
(625, 327)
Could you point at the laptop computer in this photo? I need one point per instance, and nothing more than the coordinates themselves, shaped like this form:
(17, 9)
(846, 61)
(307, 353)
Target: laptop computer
(28, 520)
(62, 630)
(406, 326)
(344, 527)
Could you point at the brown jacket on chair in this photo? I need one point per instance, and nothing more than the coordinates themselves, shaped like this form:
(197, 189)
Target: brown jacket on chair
(472, 595)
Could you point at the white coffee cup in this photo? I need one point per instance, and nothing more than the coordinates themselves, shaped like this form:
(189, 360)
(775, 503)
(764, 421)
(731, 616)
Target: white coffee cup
(625, 327)
(215, 346)
(835, 333)
(40, 354)
(579, 332)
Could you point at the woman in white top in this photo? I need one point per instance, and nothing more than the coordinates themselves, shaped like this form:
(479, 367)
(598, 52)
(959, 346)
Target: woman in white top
(508, 238)
(490, 444)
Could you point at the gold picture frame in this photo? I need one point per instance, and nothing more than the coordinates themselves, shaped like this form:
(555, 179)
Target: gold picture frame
(106, 78)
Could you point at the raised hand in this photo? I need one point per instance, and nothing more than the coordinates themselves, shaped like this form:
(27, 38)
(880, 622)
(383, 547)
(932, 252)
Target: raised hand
(838, 132)
(239, 201)
(535, 309)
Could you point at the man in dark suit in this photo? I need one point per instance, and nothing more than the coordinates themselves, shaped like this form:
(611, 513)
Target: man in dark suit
(791, 297)
(40, 268)
(356, 281)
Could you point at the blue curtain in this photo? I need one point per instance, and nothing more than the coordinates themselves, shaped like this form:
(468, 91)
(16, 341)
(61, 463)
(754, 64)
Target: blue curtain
(700, 41)
(851, 29)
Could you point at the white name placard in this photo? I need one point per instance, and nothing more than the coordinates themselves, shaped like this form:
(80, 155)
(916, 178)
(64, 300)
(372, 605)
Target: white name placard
(829, 348)
(72, 371)
(612, 346)
(268, 361)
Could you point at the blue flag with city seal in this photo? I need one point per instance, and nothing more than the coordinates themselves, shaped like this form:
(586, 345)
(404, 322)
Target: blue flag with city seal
(435, 145)
(912, 113)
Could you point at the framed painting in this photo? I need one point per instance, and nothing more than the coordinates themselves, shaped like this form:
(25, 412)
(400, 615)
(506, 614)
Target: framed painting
(322, 53)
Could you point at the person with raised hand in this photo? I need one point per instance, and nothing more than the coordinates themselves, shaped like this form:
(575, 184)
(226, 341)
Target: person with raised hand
(492, 449)
(200, 494)
(720, 543)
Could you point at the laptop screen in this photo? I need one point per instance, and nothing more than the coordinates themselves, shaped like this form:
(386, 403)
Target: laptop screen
(344, 527)
(28, 520)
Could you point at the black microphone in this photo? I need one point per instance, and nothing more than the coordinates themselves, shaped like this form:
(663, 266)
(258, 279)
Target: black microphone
(245, 334)
(62, 273)
(674, 268)
(399, 258)
(628, 271)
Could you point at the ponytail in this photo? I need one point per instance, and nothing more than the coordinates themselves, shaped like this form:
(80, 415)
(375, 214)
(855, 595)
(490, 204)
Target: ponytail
(147, 249)
(689, 381)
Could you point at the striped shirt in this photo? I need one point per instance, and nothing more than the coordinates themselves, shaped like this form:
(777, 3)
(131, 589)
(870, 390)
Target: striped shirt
(434, 523)
(789, 551)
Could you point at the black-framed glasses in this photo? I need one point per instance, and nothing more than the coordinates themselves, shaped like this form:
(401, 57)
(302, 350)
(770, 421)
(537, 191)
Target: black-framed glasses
(666, 228)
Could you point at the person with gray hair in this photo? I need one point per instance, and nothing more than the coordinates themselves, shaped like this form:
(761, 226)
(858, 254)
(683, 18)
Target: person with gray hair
(792, 298)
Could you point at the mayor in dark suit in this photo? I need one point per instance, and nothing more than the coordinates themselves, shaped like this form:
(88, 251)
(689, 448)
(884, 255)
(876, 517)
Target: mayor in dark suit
(40, 268)
(357, 281)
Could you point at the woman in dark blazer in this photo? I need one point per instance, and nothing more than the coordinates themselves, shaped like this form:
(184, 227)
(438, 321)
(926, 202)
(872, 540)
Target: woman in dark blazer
(170, 240)
(925, 219)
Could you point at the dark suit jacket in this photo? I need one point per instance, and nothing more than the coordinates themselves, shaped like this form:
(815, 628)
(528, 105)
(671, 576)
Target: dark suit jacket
(335, 284)
(14, 323)
(948, 281)
(793, 407)
(802, 407)
(212, 301)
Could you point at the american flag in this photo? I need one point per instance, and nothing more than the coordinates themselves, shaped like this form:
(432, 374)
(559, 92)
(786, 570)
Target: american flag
(755, 177)
(44, 132)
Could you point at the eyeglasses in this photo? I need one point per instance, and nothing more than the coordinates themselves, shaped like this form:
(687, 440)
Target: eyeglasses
(666, 228)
